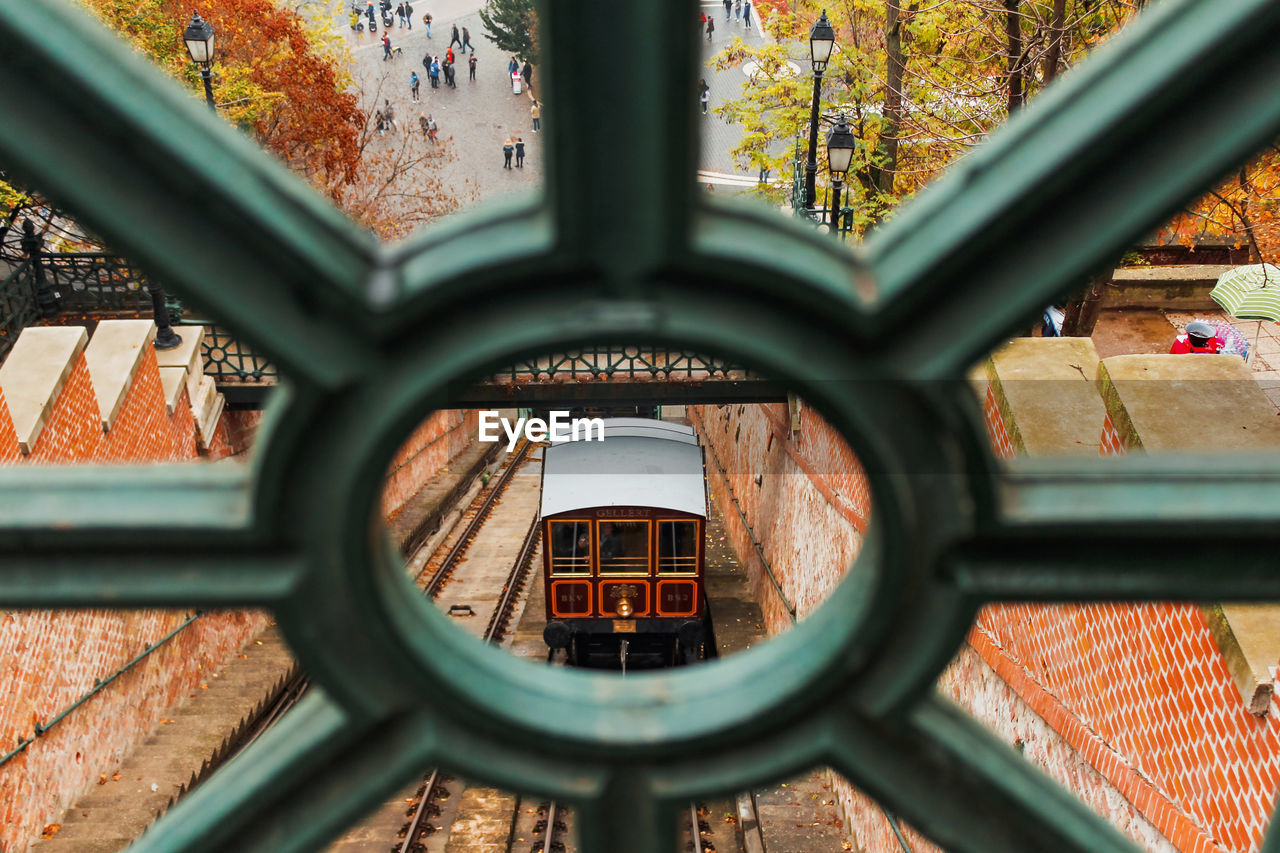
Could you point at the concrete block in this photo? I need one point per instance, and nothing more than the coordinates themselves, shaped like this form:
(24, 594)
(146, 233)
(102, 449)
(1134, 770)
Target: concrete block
(1186, 402)
(33, 375)
(1183, 287)
(1248, 635)
(172, 381)
(189, 355)
(1046, 393)
(114, 356)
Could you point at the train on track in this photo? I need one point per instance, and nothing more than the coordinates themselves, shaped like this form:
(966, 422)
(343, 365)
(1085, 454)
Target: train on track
(623, 522)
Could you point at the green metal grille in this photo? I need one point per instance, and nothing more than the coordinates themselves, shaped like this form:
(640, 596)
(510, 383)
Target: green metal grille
(370, 337)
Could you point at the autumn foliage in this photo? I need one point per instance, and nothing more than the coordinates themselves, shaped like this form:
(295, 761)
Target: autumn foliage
(273, 77)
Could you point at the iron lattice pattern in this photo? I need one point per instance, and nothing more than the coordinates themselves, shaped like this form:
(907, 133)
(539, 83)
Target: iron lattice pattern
(622, 362)
(369, 338)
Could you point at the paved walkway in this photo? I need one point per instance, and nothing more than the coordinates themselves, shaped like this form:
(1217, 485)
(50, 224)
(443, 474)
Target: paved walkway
(473, 119)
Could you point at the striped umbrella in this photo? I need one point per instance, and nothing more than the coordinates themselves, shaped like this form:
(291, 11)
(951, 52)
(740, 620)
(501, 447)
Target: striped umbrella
(1250, 292)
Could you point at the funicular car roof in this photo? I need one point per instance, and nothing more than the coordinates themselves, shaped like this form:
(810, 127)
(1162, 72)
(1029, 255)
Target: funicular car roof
(639, 463)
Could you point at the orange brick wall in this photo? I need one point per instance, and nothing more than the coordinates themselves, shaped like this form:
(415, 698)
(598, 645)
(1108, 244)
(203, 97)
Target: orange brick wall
(997, 429)
(9, 452)
(49, 659)
(814, 482)
(1110, 444)
(439, 438)
(1140, 693)
(52, 658)
(1143, 693)
(143, 430)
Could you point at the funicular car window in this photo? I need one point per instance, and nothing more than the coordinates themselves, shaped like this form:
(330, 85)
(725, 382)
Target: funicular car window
(677, 547)
(624, 547)
(570, 547)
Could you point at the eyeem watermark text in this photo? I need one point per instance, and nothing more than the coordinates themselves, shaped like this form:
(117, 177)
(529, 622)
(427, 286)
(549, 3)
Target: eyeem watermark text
(559, 428)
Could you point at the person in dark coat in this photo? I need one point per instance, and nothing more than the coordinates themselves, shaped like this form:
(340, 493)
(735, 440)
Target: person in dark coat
(527, 74)
(448, 75)
(457, 39)
(471, 63)
(519, 153)
(508, 148)
(711, 27)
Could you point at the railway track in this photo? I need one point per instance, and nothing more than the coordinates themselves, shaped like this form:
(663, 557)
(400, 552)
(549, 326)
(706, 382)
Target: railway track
(435, 582)
(419, 825)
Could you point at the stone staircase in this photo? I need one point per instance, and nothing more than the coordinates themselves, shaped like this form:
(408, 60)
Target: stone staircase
(210, 725)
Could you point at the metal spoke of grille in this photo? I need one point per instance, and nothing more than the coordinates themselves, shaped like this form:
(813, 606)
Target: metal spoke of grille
(625, 250)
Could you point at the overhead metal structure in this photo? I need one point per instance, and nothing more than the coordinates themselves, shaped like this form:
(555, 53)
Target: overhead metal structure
(370, 337)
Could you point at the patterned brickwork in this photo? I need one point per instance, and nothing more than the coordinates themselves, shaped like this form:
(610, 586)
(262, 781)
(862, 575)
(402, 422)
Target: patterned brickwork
(1110, 444)
(997, 430)
(813, 483)
(51, 658)
(9, 452)
(143, 431)
(441, 437)
(1146, 696)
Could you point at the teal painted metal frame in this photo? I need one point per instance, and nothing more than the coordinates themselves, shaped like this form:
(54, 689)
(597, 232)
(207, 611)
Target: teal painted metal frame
(371, 336)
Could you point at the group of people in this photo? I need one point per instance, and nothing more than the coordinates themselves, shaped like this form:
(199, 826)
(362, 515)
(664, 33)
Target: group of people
(436, 69)
(513, 146)
(739, 9)
(404, 14)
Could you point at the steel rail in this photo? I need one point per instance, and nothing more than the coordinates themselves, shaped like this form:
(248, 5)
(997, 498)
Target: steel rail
(411, 834)
(496, 628)
(432, 589)
(695, 833)
(497, 622)
(547, 837)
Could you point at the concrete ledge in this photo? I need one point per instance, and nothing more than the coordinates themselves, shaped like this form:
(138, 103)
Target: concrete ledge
(1046, 394)
(114, 356)
(187, 355)
(1183, 287)
(33, 375)
(1248, 635)
(172, 381)
(421, 514)
(1186, 402)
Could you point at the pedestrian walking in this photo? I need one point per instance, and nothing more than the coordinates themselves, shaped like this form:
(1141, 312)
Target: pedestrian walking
(400, 14)
(424, 124)
(512, 66)
(414, 83)
(389, 113)
(704, 95)
(379, 122)
(711, 27)
(737, 10)
(535, 112)
(457, 39)
(448, 76)
(508, 148)
(434, 73)
(466, 41)
(471, 63)
(746, 13)
(728, 8)
(431, 130)
(527, 74)
(519, 153)
(408, 15)
(386, 46)
(426, 19)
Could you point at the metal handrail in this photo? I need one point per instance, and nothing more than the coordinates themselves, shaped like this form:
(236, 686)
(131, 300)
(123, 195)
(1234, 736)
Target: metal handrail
(98, 686)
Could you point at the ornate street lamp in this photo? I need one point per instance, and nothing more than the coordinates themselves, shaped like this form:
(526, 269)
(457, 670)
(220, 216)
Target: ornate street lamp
(199, 40)
(822, 37)
(840, 146)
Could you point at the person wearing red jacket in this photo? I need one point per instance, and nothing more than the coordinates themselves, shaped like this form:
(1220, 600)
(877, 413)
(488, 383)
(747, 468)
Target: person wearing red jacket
(1200, 337)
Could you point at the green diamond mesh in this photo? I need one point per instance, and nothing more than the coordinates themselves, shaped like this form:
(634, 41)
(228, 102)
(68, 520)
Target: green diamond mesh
(623, 248)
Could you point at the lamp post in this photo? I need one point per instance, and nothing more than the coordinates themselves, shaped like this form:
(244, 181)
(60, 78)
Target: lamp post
(840, 146)
(199, 40)
(822, 37)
